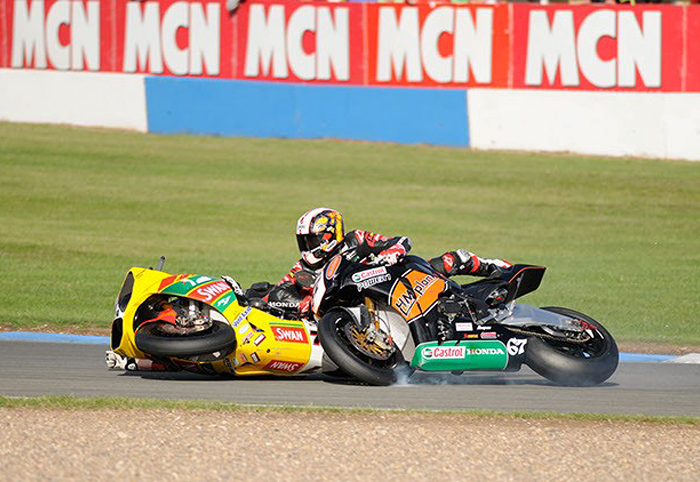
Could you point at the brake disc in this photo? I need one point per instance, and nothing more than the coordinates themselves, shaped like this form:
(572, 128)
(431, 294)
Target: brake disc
(369, 342)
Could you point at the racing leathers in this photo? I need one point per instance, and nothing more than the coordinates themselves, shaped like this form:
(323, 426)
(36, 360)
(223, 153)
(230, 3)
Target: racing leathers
(365, 243)
(387, 251)
(463, 262)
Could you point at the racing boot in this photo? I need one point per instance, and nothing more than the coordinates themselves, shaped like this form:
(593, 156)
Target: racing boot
(464, 262)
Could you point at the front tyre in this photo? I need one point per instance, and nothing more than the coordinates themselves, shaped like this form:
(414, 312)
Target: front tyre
(335, 332)
(574, 363)
(152, 339)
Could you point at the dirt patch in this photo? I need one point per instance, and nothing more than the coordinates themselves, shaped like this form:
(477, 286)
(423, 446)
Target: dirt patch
(154, 444)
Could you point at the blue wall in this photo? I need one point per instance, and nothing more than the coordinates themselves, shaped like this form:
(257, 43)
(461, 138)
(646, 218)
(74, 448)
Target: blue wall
(405, 115)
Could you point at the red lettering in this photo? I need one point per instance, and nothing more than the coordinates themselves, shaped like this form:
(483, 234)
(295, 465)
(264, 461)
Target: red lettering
(284, 366)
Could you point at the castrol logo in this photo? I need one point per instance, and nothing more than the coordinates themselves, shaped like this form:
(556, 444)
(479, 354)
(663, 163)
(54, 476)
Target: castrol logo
(444, 353)
(370, 273)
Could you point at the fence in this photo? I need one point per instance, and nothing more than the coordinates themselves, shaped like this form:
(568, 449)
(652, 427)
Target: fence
(599, 79)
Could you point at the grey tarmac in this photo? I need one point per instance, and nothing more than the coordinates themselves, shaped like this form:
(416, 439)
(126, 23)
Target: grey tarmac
(645, 388)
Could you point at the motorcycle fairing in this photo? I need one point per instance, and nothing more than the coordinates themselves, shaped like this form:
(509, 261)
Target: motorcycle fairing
(212, 291)
(143, 283)
(477, 355)
(469, 338)
(412, 292)
(427, 287)
(265, 344)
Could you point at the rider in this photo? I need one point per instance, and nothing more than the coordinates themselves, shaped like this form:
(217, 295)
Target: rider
(321, 235)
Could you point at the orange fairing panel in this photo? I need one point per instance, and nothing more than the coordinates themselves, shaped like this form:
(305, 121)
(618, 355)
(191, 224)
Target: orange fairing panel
(425, 286)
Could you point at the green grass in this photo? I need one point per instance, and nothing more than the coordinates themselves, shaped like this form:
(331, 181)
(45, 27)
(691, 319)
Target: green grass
(79, 207)
(117, 403)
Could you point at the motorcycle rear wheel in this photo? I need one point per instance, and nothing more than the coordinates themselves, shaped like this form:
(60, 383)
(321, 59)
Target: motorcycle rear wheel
(574, 364)
(350, 359)
(152, 340)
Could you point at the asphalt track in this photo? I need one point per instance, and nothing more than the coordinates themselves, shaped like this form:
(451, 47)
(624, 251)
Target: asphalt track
(649, 388)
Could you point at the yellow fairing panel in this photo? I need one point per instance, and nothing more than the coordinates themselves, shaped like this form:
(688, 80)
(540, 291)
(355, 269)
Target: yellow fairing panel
(146, 282)
(265, 344)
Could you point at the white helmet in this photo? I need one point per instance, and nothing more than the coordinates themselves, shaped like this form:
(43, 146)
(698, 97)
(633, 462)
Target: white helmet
(319, 232)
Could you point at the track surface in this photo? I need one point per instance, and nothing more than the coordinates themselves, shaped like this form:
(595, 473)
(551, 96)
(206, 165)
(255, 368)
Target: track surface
(654, 388)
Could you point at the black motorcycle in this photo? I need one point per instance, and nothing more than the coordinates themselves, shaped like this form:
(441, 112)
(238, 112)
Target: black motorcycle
(379, 320)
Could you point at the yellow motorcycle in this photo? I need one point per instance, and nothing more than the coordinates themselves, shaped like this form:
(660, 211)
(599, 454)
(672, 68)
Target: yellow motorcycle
(207, 325)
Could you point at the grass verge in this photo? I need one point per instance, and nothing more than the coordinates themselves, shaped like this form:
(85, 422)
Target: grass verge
(78, 207)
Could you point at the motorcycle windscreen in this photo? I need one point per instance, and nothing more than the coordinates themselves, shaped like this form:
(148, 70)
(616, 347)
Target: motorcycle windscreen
(423, 295)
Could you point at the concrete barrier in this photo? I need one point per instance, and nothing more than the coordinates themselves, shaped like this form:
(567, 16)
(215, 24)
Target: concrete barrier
(664, 125)
(78, 98)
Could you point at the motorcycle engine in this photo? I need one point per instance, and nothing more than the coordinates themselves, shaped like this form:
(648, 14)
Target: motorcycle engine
(191, 316)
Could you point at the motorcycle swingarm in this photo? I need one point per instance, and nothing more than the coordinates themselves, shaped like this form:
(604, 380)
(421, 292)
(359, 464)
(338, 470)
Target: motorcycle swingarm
(525, 316)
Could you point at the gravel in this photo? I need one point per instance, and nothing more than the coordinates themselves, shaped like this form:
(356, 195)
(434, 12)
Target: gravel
(159, 444)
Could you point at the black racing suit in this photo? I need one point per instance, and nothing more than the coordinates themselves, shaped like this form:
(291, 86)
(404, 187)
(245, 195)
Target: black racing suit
(286, 295)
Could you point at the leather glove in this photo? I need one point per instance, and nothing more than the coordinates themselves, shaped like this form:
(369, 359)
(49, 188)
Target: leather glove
(118, 362)
(390, 256)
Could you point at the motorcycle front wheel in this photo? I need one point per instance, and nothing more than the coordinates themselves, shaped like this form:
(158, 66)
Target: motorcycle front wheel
(335, 332)
(153, 340)
(574, 363)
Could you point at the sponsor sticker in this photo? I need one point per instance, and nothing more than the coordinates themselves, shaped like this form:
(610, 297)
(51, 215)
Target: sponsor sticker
(242, 316)
(404, 302)
(243, 359)
(223, 303)
(284, 366)
(483, 327)
(247, 338)
(369, 273)
(464, 326)
(332, 267)
(255, 357)
(471, 336)
(282, 304)
(363, 285)
(244, 327)
(211, 291)
(259, 340)
(444, 353)
(485, 351)
(287, 333)
(462, 355)
(489, 335)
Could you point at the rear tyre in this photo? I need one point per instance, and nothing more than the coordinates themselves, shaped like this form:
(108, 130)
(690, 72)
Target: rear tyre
(574, 364)
(154, 341)
(335, 342)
